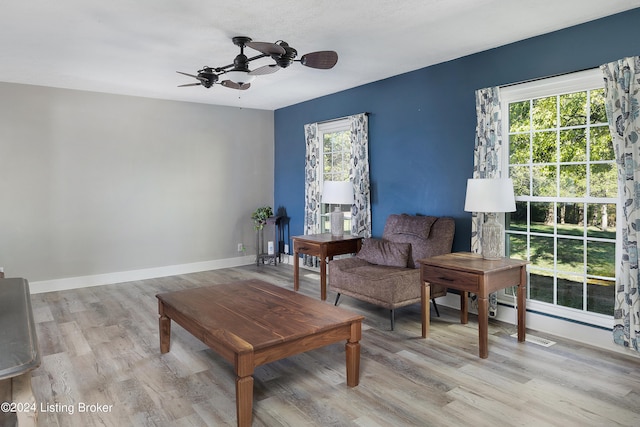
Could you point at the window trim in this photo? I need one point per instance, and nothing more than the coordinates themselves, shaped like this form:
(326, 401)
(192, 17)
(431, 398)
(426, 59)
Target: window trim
(338, 125)
(334, 126)
(553, 86)
(566, 83)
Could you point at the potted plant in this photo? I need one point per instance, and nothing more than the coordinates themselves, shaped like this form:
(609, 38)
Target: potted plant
(260, 217)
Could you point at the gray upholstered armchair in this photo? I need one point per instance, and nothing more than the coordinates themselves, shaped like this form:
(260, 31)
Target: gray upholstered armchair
(385, 272)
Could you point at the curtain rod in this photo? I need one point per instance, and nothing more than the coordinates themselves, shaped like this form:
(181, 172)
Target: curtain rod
(341, 118)
(546, 77)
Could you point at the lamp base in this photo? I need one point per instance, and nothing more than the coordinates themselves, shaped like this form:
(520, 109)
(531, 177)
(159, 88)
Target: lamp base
(337, 222)
(492, 238)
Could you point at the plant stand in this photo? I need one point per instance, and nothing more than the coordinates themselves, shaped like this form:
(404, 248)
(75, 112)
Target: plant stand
(262, 248)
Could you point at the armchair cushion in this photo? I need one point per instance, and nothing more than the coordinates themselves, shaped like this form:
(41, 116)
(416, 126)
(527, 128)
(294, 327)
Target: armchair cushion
(409, 225)
(428, 235)
(384, 286)
(384, 252)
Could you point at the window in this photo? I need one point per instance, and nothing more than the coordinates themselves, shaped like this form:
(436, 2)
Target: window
(335, 152)
(562, 163)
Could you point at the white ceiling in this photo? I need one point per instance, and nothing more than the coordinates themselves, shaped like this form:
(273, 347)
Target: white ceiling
(135, 47)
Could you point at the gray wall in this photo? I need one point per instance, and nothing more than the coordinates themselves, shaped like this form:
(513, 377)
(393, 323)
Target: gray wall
(94, 183)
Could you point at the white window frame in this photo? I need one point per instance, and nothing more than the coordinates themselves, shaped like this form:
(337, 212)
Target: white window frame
(569, 83)
(332, 126)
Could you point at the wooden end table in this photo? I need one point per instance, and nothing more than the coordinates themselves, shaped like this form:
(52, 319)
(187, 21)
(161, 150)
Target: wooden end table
(324, 246)
(250, 323)
(469, 272)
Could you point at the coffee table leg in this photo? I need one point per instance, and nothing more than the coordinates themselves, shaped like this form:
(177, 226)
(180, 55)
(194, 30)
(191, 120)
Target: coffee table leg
(244, 388)
(352, 349)
(165, 329)
(353, 363)
(244, 400)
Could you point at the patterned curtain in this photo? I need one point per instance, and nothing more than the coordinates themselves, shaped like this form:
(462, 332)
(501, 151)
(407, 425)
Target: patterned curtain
(486, 162)
(312, 177)
(622, 100)
(359, 175)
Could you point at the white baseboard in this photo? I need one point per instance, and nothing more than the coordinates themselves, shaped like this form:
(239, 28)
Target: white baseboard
(129, 276)
(287, 259)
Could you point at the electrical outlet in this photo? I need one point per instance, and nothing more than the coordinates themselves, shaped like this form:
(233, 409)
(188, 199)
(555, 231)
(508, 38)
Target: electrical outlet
(240, 247)
(286, 249)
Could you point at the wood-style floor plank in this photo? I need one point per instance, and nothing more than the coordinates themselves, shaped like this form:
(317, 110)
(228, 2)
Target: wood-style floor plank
(100, 345)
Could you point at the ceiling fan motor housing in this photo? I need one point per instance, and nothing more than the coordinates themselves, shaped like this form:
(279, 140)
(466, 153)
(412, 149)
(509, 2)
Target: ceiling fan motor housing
(241, 63)
(209, 76)
(287, 58)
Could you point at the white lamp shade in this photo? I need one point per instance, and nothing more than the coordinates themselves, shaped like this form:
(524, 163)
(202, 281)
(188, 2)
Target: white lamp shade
(337, 192)
(490, 195)
(240, 77)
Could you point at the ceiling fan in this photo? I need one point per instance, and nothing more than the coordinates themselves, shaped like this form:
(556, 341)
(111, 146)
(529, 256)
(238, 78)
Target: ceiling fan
(239, 76)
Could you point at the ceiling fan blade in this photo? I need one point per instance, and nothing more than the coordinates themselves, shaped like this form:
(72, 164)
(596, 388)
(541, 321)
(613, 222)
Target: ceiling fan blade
(323, 60)
(267, 48)
(265, 69)
(202, 79)
(234, 85)
(190, 84)
(187, 74)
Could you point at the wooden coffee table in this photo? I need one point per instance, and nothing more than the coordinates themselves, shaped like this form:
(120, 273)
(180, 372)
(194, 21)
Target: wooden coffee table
(252, 322)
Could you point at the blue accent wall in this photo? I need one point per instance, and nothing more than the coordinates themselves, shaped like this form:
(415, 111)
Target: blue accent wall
(422, 123)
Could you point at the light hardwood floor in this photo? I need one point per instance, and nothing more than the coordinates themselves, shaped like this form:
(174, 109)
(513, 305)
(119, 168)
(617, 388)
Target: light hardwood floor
(99, 345)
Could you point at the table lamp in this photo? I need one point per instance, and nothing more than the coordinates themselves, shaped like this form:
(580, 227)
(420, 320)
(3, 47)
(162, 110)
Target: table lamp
(338, 193)
(491, 196)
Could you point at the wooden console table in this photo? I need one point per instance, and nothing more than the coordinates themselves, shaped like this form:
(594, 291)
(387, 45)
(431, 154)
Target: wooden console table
(323, 246)
(469, 272)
